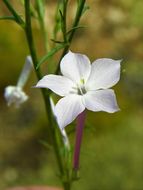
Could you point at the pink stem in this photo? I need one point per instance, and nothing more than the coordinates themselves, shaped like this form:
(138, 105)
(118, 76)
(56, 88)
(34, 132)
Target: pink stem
(79, 133)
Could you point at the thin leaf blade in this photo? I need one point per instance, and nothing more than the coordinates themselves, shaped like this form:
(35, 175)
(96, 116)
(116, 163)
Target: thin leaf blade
(50, 54)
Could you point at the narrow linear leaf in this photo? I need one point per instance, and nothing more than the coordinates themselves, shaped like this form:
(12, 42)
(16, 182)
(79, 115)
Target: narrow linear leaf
(51, 53)
(7, 18)
(61, 14)
(61, 21)
(56, 41)
(75, 28)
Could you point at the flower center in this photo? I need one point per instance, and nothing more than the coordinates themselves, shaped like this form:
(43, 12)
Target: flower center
(81, 88)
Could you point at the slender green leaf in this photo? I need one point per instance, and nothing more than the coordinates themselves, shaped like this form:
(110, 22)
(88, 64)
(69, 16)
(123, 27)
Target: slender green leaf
(75, 28)
(58, 42)
(62, 21)
(51, 53)
(7, 18)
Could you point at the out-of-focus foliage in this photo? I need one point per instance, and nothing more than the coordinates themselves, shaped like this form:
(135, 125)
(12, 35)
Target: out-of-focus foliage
(111, 156)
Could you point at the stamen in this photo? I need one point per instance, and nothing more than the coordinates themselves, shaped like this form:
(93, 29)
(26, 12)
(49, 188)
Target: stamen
(81, 89)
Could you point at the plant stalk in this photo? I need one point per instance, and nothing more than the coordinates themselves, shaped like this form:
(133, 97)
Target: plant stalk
(52, 130)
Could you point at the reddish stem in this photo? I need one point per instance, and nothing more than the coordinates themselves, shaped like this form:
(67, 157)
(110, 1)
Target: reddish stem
(79, 133)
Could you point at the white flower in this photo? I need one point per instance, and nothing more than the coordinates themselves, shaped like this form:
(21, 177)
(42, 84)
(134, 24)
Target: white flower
(83, 86)
(14, 95)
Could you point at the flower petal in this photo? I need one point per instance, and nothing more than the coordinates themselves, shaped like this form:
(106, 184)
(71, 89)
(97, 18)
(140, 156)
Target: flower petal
(68, 108)
(58, 84)
(75, 66)
(104, 74)
(101, 100)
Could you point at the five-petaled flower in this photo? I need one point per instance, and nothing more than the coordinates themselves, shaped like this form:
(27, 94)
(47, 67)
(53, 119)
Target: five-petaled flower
(83, 85)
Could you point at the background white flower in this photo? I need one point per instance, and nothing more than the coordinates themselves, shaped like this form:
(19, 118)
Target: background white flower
(83, 86)
(14, 95)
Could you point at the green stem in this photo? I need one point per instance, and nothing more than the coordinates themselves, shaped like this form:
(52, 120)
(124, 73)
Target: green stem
(77, 18)
(53, 130)
(28, 31)
(41, 16)
(75, 24)
(64, 20)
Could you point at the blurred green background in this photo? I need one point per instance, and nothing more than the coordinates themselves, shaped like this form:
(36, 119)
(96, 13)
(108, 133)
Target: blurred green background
(112, 154)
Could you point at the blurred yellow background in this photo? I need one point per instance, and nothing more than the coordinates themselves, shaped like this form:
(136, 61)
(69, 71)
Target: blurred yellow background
(111, 155)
